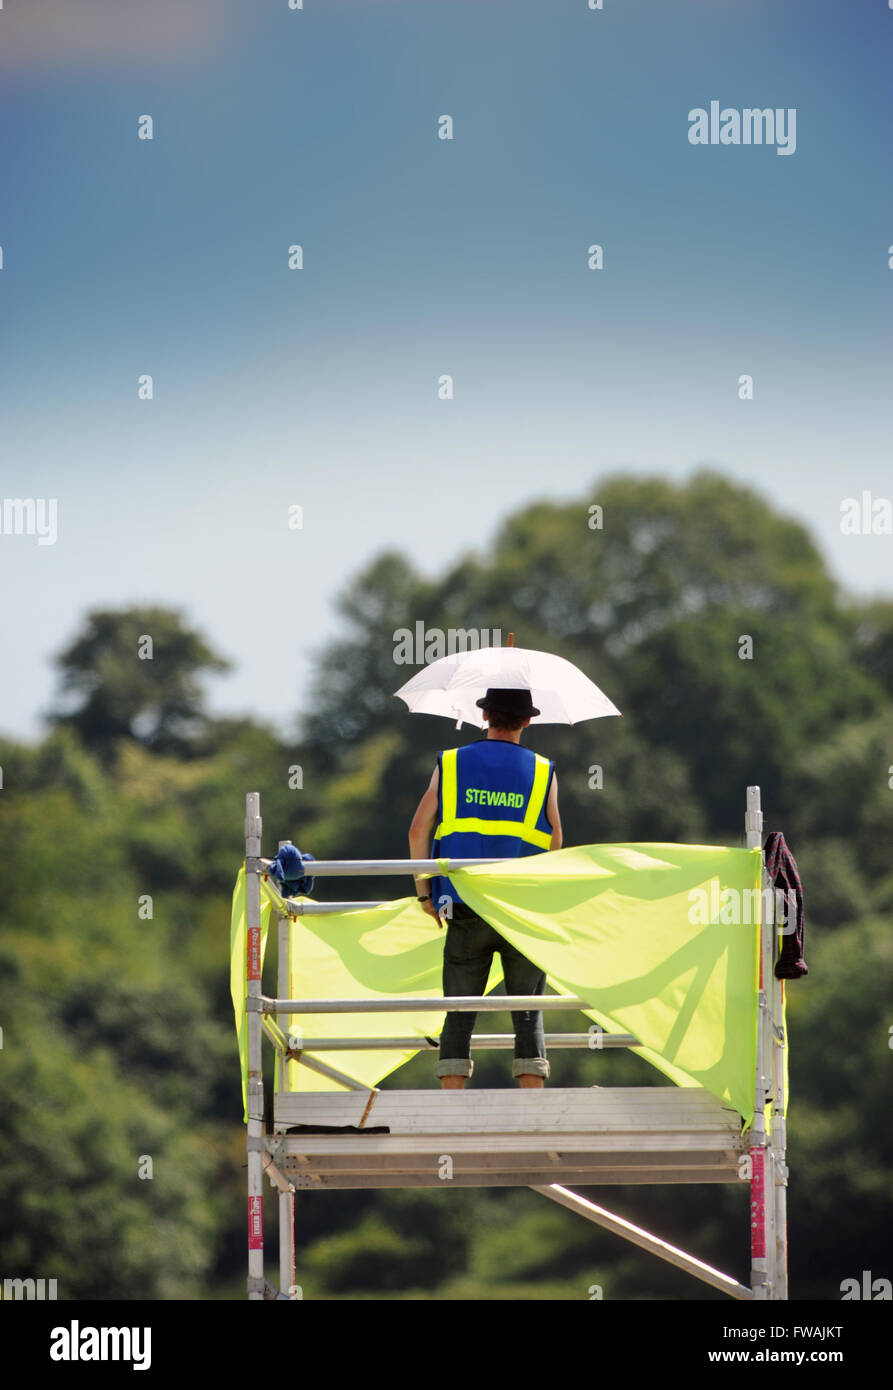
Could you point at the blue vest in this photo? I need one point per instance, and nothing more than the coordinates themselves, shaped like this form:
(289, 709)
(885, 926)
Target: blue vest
(491, 804)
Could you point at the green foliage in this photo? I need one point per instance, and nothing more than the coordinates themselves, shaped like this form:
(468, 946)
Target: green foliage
(108, 1041)
(120, 691)
(117, 1031)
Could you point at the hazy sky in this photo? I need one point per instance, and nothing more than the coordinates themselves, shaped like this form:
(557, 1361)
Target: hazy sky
(276, 387)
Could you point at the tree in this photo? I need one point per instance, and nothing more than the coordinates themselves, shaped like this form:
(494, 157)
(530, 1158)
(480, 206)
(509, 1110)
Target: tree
(134, 674)
(654, 607)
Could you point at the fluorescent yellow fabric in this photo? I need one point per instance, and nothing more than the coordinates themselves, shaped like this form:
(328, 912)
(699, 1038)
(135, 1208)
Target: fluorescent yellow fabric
(386, 951)
(238, 947)
(616, 925)
(612, 925)
(380, 951)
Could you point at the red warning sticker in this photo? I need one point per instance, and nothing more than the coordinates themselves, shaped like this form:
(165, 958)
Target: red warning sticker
(255, 1223)
(253, 953)
(758, 1204)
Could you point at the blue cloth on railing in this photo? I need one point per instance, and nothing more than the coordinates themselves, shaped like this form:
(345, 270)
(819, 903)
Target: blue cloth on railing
(288, 869)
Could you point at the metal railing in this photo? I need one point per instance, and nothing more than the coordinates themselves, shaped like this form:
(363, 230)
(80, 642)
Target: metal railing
(768, 1178)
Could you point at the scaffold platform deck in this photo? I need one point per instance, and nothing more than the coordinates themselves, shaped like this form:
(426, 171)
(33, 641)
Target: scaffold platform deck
(504, 1138)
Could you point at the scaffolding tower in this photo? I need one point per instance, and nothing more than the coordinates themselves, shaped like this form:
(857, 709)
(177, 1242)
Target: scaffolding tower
(541, 1138)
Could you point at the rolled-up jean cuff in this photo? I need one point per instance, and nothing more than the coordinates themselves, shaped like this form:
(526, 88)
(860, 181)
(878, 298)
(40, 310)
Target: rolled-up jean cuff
(530, 1066)
(457, 1066)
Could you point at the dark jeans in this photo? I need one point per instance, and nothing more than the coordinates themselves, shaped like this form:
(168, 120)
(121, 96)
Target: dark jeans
(467, 953)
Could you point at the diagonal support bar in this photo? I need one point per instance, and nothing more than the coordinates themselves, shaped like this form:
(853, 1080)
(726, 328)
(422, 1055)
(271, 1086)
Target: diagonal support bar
(645, 1240)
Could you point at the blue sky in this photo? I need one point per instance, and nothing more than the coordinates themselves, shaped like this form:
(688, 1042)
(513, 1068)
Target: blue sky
(318, 388)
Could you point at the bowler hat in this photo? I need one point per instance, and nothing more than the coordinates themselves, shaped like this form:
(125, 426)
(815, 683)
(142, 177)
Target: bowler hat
(508, 701)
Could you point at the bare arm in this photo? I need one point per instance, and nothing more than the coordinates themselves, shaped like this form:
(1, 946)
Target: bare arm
(420, 831)
(552, 815)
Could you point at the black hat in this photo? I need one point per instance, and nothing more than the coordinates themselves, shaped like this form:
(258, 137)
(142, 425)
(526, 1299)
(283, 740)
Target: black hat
(508, 701)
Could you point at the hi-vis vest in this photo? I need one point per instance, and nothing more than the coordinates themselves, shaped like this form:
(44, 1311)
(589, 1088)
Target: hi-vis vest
(491, 805)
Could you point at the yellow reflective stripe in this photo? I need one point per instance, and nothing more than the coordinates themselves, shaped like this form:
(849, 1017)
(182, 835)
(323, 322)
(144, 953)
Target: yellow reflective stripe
(448, 788)
(449, 764)
(537, 795)
(495, 827)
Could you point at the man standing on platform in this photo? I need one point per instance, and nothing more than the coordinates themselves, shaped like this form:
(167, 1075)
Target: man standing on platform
(491, 799)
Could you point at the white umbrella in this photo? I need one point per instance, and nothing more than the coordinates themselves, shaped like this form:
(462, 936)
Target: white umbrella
(559, 690)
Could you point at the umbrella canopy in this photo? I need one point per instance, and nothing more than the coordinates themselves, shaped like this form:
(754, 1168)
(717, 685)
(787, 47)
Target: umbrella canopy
(450, 686)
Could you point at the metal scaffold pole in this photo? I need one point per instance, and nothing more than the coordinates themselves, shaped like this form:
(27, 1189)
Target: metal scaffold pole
(779, 1144)
(255, 1090)
(778, 1122)
(287, 1198)
(762, 1157)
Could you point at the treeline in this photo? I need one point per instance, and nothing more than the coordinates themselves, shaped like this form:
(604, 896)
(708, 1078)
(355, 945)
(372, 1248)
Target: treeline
(713, 623)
